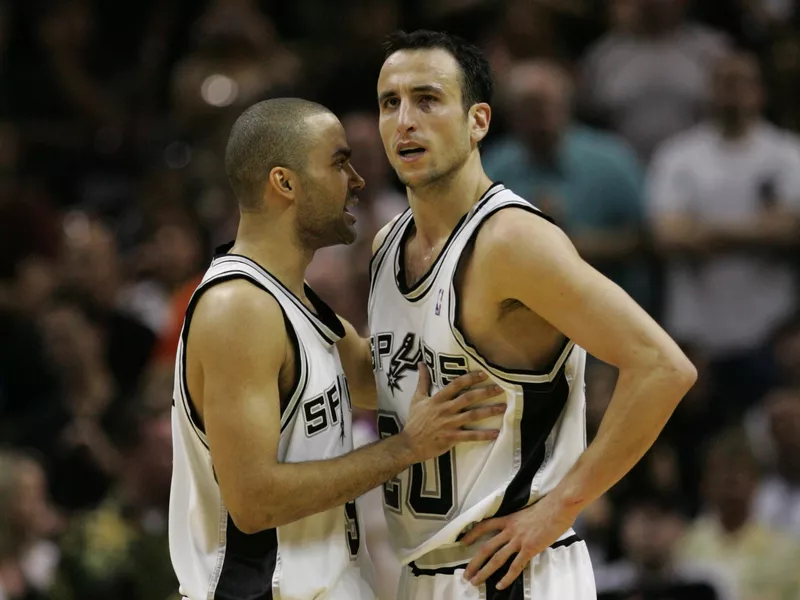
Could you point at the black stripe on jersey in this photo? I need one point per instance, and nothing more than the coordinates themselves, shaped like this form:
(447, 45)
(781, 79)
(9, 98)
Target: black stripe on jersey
(416, 292)
(325, 321)
(191, 411)
(248, 566)
(380, 255)
(542, 405)
(456, 320)
(417, 571)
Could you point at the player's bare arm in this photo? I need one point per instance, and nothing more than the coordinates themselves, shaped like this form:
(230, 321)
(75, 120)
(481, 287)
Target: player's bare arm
(356, 360)
(525, 258)
(238, 358)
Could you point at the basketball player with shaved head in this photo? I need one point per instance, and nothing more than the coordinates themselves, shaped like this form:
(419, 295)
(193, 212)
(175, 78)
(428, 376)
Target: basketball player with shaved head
(265, 476)
(470, 277)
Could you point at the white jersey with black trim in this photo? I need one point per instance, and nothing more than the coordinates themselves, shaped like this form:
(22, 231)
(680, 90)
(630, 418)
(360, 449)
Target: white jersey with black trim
(321, 556)
(542, 432)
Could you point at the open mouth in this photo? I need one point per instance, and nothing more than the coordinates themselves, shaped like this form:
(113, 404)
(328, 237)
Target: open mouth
(410, 153)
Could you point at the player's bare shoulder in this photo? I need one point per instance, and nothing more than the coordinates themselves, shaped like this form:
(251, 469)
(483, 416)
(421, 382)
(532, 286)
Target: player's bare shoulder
(515, 234)
(380, 237)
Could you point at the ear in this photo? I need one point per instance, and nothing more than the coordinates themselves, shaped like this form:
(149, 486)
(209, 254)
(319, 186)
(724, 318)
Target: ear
(480, 117)
(284, 182)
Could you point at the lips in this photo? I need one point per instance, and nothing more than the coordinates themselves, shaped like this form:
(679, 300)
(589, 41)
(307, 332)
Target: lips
(410, 149)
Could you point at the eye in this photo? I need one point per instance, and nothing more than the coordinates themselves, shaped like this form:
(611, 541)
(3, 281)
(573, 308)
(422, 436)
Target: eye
(427, 98)
(391, 102)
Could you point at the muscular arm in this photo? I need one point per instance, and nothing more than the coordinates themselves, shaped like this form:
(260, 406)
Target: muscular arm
(356, 360)
(239, 337)
(530, 260)
(237, 349)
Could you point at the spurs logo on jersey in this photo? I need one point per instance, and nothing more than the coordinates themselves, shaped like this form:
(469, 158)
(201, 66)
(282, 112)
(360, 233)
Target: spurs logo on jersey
(405, 359)
(319, 555)
(542, 432)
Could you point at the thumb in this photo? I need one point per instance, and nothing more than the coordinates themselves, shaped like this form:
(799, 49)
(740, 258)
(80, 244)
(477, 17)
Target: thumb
(424, 381)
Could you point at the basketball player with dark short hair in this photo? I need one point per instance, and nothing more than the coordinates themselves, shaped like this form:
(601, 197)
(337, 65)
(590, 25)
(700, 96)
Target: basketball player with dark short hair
(264, 473)
(474, 277)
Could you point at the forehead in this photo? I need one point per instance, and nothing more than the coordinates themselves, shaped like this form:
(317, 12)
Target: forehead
(327, 135)
(406, 69)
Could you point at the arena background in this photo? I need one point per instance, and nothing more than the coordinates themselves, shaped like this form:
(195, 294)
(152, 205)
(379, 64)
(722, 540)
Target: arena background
(608, 115)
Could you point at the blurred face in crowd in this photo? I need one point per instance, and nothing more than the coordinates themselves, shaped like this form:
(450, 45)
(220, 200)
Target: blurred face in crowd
(91, 264)
(328, 187)
(72, 342)
(730, 481)
(660, 14)
(540, 103)
(427, 134)
(365, 140)
(783, 408)
(151, 461)
(649, 534)
(25, 509)
(736, 92)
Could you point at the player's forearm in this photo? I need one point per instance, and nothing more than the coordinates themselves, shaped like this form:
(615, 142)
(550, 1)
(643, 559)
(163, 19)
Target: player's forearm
(642, 403)
(296, 490)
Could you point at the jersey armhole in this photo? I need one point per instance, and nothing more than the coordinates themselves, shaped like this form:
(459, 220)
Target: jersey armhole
(300, 377)
(544, 377)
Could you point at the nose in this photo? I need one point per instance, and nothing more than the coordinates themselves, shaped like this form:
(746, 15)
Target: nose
(405, 118)
(356, 181)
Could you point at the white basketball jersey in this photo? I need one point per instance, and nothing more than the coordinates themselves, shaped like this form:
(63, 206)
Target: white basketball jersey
(321, 556)
(542, 432)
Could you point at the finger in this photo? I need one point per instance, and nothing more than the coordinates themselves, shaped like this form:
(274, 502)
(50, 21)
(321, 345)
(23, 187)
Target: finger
(482, 528)
(478, 414)
(424, 381)
(471, 397)
(474, 435)
(515, 570)
(501, 557)
(459, 384)
(484, 553)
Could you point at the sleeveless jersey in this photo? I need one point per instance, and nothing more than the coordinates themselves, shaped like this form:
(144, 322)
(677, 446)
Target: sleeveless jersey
(542, 432)
(320, 556)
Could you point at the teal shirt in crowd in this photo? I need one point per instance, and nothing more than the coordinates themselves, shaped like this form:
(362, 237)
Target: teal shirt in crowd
(595, 183)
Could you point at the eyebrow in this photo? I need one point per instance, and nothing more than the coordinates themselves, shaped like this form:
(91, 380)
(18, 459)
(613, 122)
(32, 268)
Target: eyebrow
(417, 89)
(342, 153)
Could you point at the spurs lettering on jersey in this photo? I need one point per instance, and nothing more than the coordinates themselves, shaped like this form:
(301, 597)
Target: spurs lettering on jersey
(443, 368)
(326, 410)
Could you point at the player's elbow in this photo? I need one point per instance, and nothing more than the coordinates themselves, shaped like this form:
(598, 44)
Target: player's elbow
(679, 372)
(253, 519)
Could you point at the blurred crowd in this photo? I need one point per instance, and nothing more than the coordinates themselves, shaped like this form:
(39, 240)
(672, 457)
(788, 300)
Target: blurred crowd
(660, 134)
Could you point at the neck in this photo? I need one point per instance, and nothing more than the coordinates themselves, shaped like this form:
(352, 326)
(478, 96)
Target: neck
(733, 521)
(438, 207)
(789, 469)
(273, 244)
(734, 129)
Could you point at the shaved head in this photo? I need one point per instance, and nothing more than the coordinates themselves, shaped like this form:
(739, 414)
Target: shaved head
(273, 133)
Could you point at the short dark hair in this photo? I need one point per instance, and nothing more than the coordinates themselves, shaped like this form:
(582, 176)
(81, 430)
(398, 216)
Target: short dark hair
(272, 133)
(477, 84)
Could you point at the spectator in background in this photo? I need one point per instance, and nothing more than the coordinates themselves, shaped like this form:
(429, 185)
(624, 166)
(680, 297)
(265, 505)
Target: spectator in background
(725, 207)
(588, 181)
(91, 270)
(120, 549)
(777, 502)
(650, 529)
(761, 560)
(28, 522)
(647, 78)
